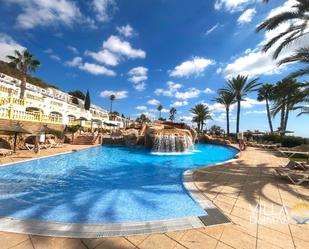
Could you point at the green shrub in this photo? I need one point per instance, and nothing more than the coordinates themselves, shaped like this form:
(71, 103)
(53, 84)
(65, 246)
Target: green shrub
(292, 141)
(56, 133)
(272, 138)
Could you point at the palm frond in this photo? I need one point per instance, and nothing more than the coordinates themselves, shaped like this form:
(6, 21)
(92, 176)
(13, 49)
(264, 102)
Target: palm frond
(300, 72)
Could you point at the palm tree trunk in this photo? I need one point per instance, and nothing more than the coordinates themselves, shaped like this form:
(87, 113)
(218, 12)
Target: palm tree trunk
(238, 116)
(199, 125)
(282, 117)
(286, 117)
(202, 125)
(160, 115)
(228, 121)
(23, 86)
(269, 117)
(111, 107)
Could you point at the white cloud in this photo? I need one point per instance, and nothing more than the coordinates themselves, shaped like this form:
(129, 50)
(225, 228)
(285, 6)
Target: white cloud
(249, 103)
(55, 57)
(122, 48)
(48, 12)
(90, 67)
(126, 31)
(138, 76)
(7, 46)
(212, 29)
(96, 69)
(118, 94)
(153, 102)
(172, 88)
(232, 5)
(104, 56)
(209, 91)
(186, 118)
(103, 9)
(141, 108)
(73, 49)
(195, 67)
(189, 94)
(75, 62)
(179, 103)
(140, 86)
(246, 16)
(255, 112)
(255, 62)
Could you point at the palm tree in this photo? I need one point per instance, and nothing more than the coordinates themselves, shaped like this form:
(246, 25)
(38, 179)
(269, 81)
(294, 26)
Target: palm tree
(240, 87)
(298, 19)
(160, 108)
(226, 99)
(265, 92)
(287, 93)
(111, 98)
(202, 114)
(301, 55)
(173, 113)
(23, 62)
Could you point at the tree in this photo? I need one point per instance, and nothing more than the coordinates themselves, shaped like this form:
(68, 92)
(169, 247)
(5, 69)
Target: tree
(217, 130)
(296, 19)
(240, 87)
(78, 94)
(226, 99)
(143, 119)
(111, 98)
(265, 92)
(159, 109)
(87, 101)
(202, 114)
(287, 93)
(173, 113)
(25, 63)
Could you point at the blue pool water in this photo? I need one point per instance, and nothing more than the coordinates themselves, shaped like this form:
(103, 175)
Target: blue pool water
(104, 185)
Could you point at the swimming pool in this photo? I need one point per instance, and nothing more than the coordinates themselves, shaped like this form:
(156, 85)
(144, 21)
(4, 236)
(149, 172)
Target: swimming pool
(105, 184)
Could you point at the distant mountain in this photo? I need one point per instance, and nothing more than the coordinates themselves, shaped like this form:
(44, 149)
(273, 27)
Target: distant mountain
(8, 69)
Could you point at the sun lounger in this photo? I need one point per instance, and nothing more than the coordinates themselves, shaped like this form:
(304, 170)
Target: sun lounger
(295, 176)
(53, 144)
(291, 153)
(41, 146)
(5, 152)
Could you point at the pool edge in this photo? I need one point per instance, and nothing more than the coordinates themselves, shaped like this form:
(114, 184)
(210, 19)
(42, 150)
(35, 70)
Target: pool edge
(54, 229)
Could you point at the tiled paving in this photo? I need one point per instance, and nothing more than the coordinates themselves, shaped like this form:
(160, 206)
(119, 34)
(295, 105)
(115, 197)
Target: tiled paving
(235, 188)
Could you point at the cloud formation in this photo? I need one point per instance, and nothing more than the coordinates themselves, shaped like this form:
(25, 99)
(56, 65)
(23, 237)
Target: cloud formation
(7, 46)
(138, 76)
(246, 16)
(118, 94)
(194, 67)
(126, 31)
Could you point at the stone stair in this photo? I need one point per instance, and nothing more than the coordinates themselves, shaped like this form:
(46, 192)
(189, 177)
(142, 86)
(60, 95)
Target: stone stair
(84, 140)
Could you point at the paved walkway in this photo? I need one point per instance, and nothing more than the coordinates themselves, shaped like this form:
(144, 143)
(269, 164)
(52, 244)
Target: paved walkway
(236, 188)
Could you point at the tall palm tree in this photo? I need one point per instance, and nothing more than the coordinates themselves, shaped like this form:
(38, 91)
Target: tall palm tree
(25, 63)
(265, 92)
(240, 86)
(111, 98)
(202, 114)
(287, 93)
(226, 99)
(160, 108)
(301, 55)
(173, 113)
(297, 17)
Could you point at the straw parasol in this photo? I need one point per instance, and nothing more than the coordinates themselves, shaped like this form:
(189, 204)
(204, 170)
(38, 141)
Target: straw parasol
(15, 129)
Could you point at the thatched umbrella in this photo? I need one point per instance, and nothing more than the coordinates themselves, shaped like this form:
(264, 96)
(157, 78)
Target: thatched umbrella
(15, 129)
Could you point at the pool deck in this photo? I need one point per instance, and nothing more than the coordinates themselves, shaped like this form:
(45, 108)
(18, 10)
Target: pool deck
(235, 188)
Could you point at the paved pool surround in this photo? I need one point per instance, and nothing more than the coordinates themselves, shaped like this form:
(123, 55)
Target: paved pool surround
(44, 228)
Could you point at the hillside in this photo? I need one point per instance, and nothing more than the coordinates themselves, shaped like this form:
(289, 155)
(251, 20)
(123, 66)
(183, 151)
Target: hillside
(8, 69)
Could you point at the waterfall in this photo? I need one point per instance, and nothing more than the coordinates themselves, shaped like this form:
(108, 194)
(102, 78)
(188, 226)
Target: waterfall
(172, 143)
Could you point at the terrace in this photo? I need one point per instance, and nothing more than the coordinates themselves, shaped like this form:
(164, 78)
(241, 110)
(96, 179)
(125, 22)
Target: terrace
(236, 188)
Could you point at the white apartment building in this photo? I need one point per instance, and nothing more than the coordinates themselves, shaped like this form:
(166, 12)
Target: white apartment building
(51, 105)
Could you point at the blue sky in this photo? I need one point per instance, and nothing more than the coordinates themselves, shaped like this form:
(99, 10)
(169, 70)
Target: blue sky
(173, 52)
